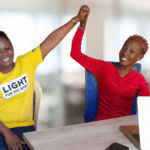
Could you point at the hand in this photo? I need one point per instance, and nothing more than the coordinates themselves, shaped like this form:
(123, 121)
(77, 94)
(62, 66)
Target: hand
(83, 15)
(13, 141)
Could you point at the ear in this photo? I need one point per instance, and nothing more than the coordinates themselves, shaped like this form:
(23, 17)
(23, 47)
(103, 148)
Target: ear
(140, 57)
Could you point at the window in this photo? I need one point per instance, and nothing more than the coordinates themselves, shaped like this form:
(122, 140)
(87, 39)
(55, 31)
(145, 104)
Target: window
(68, 65)
(27, 31)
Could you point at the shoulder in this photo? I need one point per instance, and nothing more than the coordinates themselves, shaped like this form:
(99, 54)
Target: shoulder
(19, 59)
(105, 64)
(111, 65)
(138, 76)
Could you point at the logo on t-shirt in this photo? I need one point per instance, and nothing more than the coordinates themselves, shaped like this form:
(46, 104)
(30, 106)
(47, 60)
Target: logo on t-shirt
(14, 87)
(33, 50)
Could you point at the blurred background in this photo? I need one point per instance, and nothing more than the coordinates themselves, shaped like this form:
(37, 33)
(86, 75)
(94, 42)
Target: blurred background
(28, 22)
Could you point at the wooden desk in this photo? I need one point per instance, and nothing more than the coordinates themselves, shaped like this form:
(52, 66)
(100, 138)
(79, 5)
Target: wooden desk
(87, 136)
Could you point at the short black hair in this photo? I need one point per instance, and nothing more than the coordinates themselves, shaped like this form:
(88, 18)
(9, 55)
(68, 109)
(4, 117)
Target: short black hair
(4, 35)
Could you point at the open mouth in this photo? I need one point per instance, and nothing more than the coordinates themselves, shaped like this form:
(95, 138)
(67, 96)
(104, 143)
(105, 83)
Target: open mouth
(124, 59)
(5, 60)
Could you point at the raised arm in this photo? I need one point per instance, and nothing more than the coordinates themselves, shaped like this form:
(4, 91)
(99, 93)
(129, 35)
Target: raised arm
(91, 64)
(56, 36)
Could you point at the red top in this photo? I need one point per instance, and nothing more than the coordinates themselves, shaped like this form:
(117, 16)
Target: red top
(116, 93)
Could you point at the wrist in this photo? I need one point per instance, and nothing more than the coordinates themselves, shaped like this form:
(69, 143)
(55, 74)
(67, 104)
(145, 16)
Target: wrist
(75, 20)
(5, 132)
(81, 28)
(83, 24)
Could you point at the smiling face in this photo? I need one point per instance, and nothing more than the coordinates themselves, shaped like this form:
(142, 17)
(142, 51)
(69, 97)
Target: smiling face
(130, 53)
(6, 54)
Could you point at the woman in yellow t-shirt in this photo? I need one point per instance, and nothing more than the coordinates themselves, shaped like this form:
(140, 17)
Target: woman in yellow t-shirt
(17, 85)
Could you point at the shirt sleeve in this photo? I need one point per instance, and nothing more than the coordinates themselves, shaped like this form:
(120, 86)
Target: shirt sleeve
(144, 88)
(91, 64)
(34, 57)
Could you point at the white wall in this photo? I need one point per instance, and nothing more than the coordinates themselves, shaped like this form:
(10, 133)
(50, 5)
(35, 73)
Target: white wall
(100, 10)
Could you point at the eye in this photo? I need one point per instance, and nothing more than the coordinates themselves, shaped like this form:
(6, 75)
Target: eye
(131, 51)
(123, 48)
(7, 48)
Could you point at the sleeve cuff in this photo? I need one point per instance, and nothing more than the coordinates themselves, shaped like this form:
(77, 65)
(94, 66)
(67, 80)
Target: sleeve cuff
(81, 29)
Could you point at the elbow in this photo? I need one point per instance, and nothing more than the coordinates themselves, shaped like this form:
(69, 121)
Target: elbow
(71, 55)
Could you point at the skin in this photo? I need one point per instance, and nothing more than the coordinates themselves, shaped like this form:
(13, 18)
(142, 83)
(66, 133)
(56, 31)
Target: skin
(86, 10)
(6, 51)
(132, 50)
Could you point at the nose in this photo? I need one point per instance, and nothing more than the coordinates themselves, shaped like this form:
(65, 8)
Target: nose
(126, 52)
(4, 53)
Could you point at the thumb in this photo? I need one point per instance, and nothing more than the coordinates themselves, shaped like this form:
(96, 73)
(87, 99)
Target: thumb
(22, 142)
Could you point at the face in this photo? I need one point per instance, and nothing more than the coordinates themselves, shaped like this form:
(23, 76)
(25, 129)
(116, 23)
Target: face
(130, 53)
(6, 53)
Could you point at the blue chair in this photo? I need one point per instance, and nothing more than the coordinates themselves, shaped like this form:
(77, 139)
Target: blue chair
(92, 94)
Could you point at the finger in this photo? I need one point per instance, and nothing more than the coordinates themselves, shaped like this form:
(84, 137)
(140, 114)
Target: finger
(22, 142)
(85, 16)
(9, 147)
(20, 147)
(85, 9)
(13, 147)
(81, 7)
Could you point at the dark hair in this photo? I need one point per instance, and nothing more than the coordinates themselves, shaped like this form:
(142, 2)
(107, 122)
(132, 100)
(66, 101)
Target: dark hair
(4, 35)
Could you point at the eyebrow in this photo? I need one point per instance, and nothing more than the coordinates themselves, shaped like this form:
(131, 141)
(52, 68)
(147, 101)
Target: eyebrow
(7, 45)
(124, 46)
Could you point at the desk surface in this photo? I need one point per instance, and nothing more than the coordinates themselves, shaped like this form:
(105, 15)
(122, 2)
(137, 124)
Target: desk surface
(96, 135)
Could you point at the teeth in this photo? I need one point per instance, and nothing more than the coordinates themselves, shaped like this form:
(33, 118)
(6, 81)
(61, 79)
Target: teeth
(124, 59)
(6, 59)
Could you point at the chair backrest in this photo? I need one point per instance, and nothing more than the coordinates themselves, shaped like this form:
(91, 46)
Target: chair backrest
(36, 102)
(92, 94)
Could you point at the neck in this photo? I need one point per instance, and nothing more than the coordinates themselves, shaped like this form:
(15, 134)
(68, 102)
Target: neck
(123, 70)
(8, 69)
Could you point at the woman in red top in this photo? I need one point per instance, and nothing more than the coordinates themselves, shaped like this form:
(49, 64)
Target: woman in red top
(117, 84)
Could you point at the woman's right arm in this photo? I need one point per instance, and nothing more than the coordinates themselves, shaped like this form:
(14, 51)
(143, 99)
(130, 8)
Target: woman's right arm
(91, 64)
(12, 140)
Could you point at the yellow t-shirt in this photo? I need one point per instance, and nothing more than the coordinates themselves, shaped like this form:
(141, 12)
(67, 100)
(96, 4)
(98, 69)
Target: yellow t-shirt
(16, 91)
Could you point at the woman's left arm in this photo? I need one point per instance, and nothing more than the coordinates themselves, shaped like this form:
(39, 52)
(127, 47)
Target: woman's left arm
(56, 36)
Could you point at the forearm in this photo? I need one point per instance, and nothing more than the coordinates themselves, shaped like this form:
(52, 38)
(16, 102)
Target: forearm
(84, 60)
(3, 129)
(77, 39)
(91, 64)
(55, 37)
(83, 24)
(76, 45)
